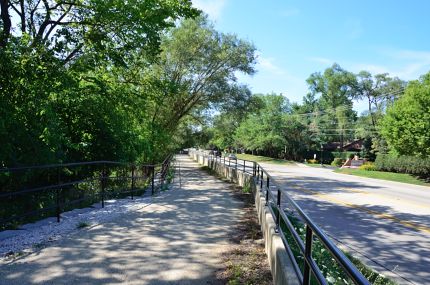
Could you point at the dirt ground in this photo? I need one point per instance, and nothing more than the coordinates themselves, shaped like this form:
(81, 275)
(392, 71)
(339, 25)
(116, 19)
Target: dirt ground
(246, 262)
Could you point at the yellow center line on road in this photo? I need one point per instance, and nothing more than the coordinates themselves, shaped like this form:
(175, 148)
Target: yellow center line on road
(384, 197)
(324, 196)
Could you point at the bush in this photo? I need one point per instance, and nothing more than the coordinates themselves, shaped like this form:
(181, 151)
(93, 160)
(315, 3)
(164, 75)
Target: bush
(369, 166)
(337, 162)
(404, 164)
(313, 161)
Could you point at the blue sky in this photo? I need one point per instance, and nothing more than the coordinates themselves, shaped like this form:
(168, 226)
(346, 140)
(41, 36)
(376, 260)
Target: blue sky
(297, 38)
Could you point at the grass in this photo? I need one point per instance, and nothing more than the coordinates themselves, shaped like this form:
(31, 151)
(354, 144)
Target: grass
(264, 159)
(319, 165)
(390, 176)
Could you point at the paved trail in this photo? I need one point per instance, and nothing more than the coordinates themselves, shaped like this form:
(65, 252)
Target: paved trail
(178, 239)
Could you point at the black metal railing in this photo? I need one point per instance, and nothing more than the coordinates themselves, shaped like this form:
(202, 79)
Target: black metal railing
(308, 272)
(31, 193)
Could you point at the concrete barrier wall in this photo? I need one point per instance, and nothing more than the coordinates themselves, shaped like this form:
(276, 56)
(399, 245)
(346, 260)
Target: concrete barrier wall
(279, 260)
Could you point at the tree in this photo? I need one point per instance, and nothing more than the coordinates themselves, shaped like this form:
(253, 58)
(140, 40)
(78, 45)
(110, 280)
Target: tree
(332, 115)
(379, 90)
(407, 123)
(196, 72)
(334, 86)
(65, 88)
(272, 129)
(107, 29)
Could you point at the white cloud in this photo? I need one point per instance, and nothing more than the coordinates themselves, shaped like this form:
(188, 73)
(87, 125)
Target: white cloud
(211, 7)
(271, 77)
(267, 63)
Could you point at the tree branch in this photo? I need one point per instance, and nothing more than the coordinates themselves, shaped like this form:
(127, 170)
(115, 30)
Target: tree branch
(56, 23)
(72, 54)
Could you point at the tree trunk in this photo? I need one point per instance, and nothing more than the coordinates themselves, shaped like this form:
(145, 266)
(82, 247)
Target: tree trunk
(7, 24)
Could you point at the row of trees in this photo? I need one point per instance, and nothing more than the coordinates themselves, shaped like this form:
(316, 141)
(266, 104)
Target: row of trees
(109, 80)
(397, 119)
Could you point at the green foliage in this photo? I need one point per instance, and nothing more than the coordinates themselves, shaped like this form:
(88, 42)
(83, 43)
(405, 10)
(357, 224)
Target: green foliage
(407, 123)
(369, 166)
(338, 162)
(404, 164)
(272, 130)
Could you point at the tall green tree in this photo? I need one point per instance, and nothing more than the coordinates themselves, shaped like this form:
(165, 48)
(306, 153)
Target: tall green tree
(379, 91)
(333, 113)
(407, 123)
(65, 88)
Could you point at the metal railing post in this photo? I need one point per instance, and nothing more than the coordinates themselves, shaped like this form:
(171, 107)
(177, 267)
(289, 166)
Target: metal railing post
(267, 190)
(132, 182)
(244, 163)
(152, 179)
(308, 255)
(261, 181)
(278, 215)
(57, 195)
(103, 185)
(258, 171)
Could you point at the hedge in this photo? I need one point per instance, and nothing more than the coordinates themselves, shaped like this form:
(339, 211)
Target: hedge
(404, 164)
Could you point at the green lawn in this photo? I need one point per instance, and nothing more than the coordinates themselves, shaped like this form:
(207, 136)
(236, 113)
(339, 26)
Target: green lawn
(264, 159)
(391, 176)
(318, 165)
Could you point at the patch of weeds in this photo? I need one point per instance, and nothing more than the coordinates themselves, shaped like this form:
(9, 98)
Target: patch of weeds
(209, 170)
(82, 225)
(246, 262)
(247, 187)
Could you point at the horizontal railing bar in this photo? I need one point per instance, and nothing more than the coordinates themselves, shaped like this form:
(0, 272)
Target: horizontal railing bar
(100, 162)
(342, 260)
(293, 231)
(55, 186)
(316, 270)
(292, 257)
(48, 187)
(345, 263)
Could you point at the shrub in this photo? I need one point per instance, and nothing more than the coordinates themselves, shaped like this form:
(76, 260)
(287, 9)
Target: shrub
(312, 161)
(404, 164)
(337, 162)
(369, 166)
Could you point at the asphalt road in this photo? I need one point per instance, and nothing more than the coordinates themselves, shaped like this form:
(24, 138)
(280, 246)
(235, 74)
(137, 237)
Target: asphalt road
(385, 224)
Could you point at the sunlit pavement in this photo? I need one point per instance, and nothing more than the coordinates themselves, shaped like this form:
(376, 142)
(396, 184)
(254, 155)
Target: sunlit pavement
(177, 239)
